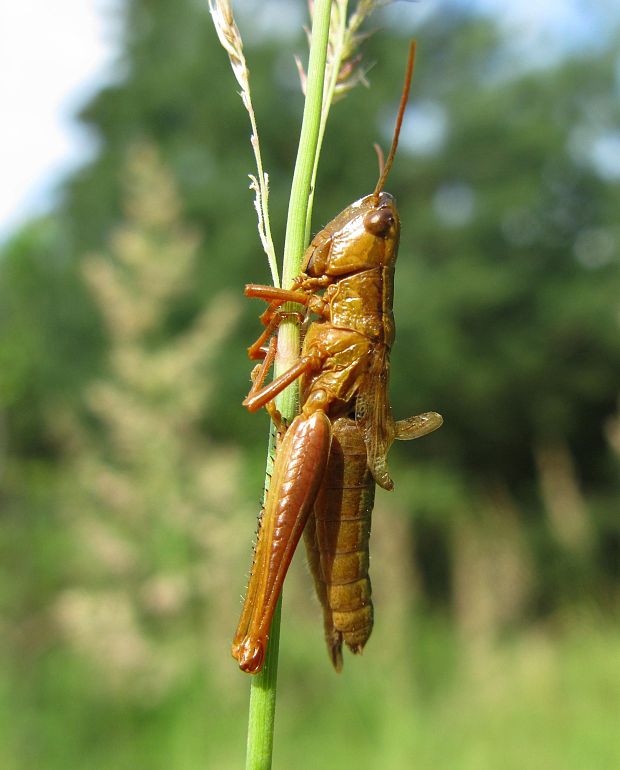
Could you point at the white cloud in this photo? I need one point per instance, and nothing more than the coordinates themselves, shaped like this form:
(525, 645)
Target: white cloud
(52, 55)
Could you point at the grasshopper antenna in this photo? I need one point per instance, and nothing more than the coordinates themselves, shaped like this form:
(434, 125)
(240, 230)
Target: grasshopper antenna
(380, 157)
(399, 120)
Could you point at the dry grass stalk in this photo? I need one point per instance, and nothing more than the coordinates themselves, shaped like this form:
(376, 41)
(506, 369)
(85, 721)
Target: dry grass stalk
(230, 38)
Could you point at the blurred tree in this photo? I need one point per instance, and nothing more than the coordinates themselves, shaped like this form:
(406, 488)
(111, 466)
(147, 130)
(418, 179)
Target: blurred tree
(50, 338)
(513, 279)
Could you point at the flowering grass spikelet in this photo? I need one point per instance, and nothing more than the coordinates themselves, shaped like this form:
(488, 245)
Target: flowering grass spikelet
(230, 39)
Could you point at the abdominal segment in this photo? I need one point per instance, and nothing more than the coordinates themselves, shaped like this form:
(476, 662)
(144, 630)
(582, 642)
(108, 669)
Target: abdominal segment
(337, 535)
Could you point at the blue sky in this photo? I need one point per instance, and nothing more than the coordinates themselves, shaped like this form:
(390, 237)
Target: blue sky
(54, 56)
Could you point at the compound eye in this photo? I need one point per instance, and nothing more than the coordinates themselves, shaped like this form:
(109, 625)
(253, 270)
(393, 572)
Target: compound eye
(379, 221)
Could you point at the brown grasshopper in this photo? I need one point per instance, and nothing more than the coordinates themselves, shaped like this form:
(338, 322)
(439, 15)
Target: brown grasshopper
(335, 451)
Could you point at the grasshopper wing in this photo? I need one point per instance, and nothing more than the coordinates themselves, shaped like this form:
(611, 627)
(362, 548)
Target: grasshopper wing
(374, 416)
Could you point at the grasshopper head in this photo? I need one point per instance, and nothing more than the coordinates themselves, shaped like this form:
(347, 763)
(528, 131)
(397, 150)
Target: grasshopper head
(365, 235)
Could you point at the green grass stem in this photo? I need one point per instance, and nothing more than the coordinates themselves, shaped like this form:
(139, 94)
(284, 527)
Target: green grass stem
(263, 687)
(338, 43)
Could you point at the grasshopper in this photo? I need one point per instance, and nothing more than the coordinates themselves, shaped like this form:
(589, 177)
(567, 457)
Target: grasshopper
(334, 452)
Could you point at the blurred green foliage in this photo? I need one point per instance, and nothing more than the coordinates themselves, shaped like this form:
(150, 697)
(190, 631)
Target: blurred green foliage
(497, 637)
